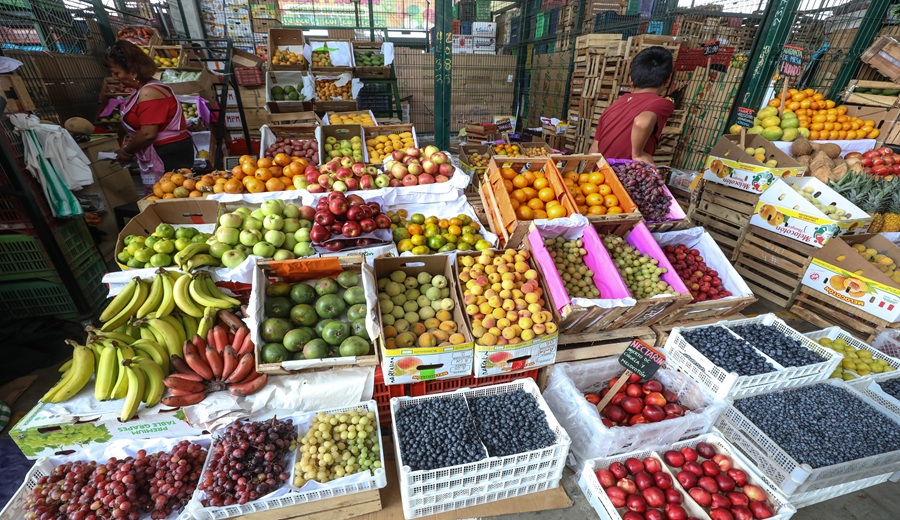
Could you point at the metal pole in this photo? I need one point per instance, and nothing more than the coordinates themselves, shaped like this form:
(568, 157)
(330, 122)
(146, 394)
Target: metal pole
(372, 24)
(103, 21)
(774, 30)
(868, 29)
(443, 57)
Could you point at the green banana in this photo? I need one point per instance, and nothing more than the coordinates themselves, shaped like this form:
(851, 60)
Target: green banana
(183, 299)
(128, 311)
(154, 351)
(137, 384)
(207, 321)
(154, 298)
(75, 378)
(214, 290)
(167, 305)
(119, 301)
(154, 376)
(191, 325)
(107, 373)
(121, 386)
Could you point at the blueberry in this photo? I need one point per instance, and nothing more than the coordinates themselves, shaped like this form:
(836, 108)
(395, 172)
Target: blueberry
(891, 387)
(511, 423)
(785, 350)
(437, 433)
(726, 351)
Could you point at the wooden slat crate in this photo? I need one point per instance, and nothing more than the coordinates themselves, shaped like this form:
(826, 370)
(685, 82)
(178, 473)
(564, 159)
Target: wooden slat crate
(578, 347)
(825, 311)
(773, 265)
(715, 309)
(725, 213)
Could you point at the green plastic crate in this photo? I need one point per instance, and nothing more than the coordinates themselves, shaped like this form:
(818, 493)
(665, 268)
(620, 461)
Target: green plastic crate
(32, 298)
(539, 26)
(483, 11)
(22, 256)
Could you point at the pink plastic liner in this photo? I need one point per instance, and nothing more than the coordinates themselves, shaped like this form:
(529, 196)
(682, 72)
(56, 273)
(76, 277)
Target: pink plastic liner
(641, 238)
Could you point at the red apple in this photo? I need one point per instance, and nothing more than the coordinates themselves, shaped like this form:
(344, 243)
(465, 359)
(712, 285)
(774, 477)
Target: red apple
(343, 173)
(334, 245)
(324, 218)
(426, 178)
(689, 453)
(352, 184)
(652, 465)
(307, 212)
(410, 180)
(654, 497)
(336, 228)
(616, 496)
(355, 213)
(351, 229)
(673, 496)
(338, 206)
(429, 167)
(662, 480)
(368, 225)
(675, 512)
(614, 413)
(446, 170)
(710, 468)
(687, 479)
(723, 461)
(631, 515)
(319, 233)
(382, 221)
(701, 496)
(606, 478)
(720, 501)
(618, 470)
(674, 458)
(708, 483)
(634, 465)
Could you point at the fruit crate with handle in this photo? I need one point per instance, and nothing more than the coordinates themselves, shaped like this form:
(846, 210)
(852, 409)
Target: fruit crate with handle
(498, 203)
(834, 333)
(597, 498)
(825, 311)
(23, 256)
(801, 500)
(773, 265)
(725, 214)
(29, 298)
(792, 476)
(428, 492)
(353, 484)
(684, 357)
(571, 167)
(440, 386)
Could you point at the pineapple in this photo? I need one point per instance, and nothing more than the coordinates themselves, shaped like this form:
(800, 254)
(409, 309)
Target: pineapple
(870, 194)
(892, 219)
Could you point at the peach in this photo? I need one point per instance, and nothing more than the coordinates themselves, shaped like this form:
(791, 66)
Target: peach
(508, 305)
(427, 340)
(448, 326)
(467, 261)
(502, 341)
(509, 333)
(418, 328)
(484, 308)
(464, 277)
(539, 328)
(534, 308)
(488, 339)
(457, 339)
(489, 321)
(525, 313)
(406, 340)
(509, 285)
(478, 331)
(517, 294)
(402, 325)
(527, 335)
(390, 344)
(512, 316)
(476, 290)
(390, 331)
(495, 331)
(522, 267)
(506, 294)
(490, 293)
(481, 280)
(521, 304)
(551, 327)
(498, 313)
(496, 286)
(502, 323)
(484, 259)
(538, 317)
(525, 323)
(528, 289)
(490, 270)
(444, 315)
(431, 323)
(439, 335)
(495, 301)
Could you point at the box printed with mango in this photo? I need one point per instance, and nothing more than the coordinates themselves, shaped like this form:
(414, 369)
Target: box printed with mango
(753, 168)
(805, 209)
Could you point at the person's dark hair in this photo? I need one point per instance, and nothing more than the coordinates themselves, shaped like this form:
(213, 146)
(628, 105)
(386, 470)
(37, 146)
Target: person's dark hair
(651, 68)
(130, 58)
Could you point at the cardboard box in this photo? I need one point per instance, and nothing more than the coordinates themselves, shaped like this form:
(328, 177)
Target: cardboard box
(267, 139)
(245, 59)
(507, 359)
(202, 85)
(300, 80)
(340, 132)
(784, 211)
(843, 274)
(730, 165)
(177, 211)
(13, 90)
(290, 39)
(45, 432)
(424, 364)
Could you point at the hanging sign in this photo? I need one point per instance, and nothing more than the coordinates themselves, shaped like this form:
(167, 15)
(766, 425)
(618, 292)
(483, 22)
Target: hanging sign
(711, 48)
(641, 359)
(791, 61)
(745, 117)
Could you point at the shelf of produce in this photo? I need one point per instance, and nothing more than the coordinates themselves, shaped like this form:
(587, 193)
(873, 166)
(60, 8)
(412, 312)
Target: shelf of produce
(597, 497)
(791, 476)
(773, 265)
(683, 356)
(825, 311)
(725, 213)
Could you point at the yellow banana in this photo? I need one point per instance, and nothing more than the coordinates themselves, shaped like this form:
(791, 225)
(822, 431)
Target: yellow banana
(177, 326)
(191, 325)
(75, 378)
(66, 366)
(154, 298)
(185, 254)
(167, 305)
(107, 372)
(167, 336)
(154, 351)
(119, 301)
(214, 291)
(200, 261)
(207, 321)
(200, 294)
(154, 376)
(117, 336)
(140, 294)
(64, 379)
(121, 387)
(137, 383)
(181, 292)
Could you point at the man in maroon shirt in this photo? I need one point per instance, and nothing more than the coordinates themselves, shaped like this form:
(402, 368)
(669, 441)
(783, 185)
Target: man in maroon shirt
(630, 128)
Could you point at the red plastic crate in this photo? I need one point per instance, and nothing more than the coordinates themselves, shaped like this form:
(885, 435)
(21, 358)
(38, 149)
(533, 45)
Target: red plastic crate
(691, 59)
(238, 146)
(382, 394)
(240, 290)
(449, 385)
(250, 76)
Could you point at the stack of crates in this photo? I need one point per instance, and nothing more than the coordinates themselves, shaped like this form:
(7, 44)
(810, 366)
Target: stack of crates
(483, 11)
(466, 10)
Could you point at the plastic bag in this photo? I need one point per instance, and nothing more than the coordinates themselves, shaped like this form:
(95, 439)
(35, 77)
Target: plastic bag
(591, 439)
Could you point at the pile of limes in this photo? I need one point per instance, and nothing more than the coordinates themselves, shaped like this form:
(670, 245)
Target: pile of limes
(423, 235)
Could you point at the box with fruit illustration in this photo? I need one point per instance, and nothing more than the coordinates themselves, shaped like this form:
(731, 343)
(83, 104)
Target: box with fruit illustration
(731, 165)
(310, 314)
(417, 321)
(865, 274)
(160, 217)
(287, 49)
(805, 209)
(384, 140)
(507, 307)
(49, 429)
(373, 59)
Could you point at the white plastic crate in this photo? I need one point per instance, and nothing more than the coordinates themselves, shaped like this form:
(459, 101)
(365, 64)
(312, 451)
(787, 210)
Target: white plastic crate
(427, 492)
(873, 390)
(595, 495)
(684, 357)
(834, 333)
(784, 471)
(292, 497)
(801, 500)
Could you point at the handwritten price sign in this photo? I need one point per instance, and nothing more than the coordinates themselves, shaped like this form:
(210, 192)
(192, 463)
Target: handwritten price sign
(642, 359)
(711, 48)
(745, 117)
(791, 61)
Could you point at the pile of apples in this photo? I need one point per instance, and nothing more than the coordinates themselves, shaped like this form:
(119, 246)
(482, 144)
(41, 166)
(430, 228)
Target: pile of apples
(341, 175)
(274, 230)
(340, 220)
(716, 485)
(638, 403)
(880, 162)
(414, 166)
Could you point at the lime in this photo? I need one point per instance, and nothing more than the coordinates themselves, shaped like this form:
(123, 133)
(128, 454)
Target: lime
(421, 250)
(274, 353)
(436, 242)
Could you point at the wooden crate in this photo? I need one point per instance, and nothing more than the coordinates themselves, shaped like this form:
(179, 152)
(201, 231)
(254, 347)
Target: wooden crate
(725, 213)
(587, 163)
(773, 265)
(872, 100)
(884, 56)
(595, 40)
(825, 311)
(578, 347)
(662, 330)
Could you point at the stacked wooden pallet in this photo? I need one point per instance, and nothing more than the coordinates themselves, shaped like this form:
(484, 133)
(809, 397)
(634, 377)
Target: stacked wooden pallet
(671, 135)
(568, 16)
(695, 32)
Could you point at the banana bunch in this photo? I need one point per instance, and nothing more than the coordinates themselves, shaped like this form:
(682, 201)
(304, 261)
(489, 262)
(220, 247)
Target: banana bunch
(128, 368)
(195, 255)
(195, 292)
(76, 372)
(222, 361)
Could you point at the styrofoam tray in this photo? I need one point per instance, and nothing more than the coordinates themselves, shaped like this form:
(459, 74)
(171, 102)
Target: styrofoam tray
(729, 384)
(790, 476)
(426, 492)
(288, 495)
(605, 509)
(839, 333)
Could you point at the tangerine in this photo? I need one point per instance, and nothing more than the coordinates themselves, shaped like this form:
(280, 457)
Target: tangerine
(541, 183)
(519, 181)
(610, 201)
(234, 186)
(615, 210)
(535, 203)
(524, 213)
(594, 199)
(263, 174)
(547, 194)
(604, 189)
(597, 178)
(597, 210)
(264, 162)
(282, 159)
(556, 212)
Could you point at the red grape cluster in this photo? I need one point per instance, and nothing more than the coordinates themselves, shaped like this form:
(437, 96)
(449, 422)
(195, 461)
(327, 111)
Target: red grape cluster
(124, 488)
(703, 281)
(247, 462)
(646, 188)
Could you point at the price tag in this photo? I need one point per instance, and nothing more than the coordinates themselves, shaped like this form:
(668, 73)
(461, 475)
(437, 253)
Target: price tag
(711, 48)
(791, 61)
(745, 117)
(642, 359)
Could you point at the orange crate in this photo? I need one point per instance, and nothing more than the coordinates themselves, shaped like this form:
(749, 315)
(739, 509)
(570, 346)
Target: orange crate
(578, 164)
(382, 394)
(449, 385)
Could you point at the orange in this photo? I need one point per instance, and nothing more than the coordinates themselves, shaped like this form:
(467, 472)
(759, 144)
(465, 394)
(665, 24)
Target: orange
(535, 204)
(518, 195)
(556, 212)
(454, 229)
(615, 210)
(594, 199)
(573, 176)
(295, 168)
(541, 183)
(829, 104)
(234, 186)
(597, 178)
(282, 159)
(604, 189)
(414, 229)
(524, 213)
(515, 204)
(793, 105)
(245, 158)
(589, 188)
(775, 102)
(167, 186)
(152, 197)
(190, 184)
(418, 240)
(519, 181)
(236, 169)
(597, 210)
(274, 184)
(263, 174)
(456, 221)
(177, 178)
(539, 213)
(302, 162)
(530, 177)
(507, 173)
(610, 201)
(171, 196)
(584, 178)
(508, 185)
(277, 171)
(547, 194)
(157, 190)
(530, 192)
(248, 168)
(255, 185)
(539, 175)
(579, 199)
(264, 162)
(443, 223)
(841, 109)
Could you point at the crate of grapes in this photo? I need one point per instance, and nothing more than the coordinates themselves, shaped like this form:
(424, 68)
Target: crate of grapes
(486, 462)
(647, 188)
(739, 358)
(329, 480)
(801, 451)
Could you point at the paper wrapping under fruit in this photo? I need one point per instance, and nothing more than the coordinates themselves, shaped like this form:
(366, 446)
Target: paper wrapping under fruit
(675, 211)
(641, 238)
(856, 145)
(613, 292)
(698, 238)
(581, 420)
(340, 80)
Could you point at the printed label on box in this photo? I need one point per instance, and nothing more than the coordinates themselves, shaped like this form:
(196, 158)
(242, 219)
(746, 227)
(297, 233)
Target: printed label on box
(528, 355)
(872, 297)
(402, 366)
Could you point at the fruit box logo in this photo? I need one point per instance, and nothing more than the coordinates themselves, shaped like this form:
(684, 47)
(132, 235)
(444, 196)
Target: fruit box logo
(775, 218)
(762, 180)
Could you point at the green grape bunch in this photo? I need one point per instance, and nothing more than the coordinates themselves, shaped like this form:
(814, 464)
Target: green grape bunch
(641, 272)
(337, 445)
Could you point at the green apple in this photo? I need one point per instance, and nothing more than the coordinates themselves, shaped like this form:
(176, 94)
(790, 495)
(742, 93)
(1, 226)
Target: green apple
(302, 235)
(290, 225)
(291, 211)
(252, 223)
(231, 220)
(283, 254)
(275, 237)
(289, 242)
(164, 246)
(228, 235)
(151, 241)
(218, 249)
(233, 258)
(304, 249)
(160, 260)
(143, 254)
(124, 256)
(250, 237)
(185, 232)
(264, 249)
(244, 211)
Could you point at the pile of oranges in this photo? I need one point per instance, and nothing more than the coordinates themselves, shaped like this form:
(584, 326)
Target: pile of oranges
(510, 150)
(592, 194)
(824, 118)
(532, 195)
(179, 184)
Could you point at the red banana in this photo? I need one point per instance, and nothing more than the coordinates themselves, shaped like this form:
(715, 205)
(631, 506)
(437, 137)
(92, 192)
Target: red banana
(210, 339)
(183, 400)
(250, 386)
(197, 361)
(187, 377)
(229, 361)
(198, 342)
(239, 336)
(189, 387)
(246, 347)
(215, 361)
(230, 320)
(181, 367)
(220, 337)
(244, 367)
(179, 392)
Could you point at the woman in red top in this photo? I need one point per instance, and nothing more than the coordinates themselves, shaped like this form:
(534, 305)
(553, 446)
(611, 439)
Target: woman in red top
(156, 131)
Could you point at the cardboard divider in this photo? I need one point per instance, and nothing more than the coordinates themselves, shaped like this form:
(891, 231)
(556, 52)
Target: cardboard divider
(180, 211)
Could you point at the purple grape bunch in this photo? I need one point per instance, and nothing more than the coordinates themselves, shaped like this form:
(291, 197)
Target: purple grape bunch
(646, 188)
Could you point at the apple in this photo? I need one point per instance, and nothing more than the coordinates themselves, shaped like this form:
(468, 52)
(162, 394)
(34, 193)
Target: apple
(312, 176)
(273, 222)
(307, 213)
(339, 186)
(271, 207)
(231, 220)
(338, 206)
(382, 180)
(410, 180)
(291, 211)
(233, 258)
(283, 254)
(439, 158)
(367, 182)
(257, 214)
(446, 169)
(355, 213)
(382, 221)
(426, 179)
(252, 223)
(264, 249)
(249, 237)
(302, 235)
(228, 235)
(334, 245)
(319, 233)
(352, 184)
(351, 229)
(336, 228)
(289, 242)
(430, 150)
(304, 249)
(429, 167)
(275, 237)
(441, 178)
(395, 183)
(324, 218)
(315, 188)
(217, 249)
(325, 180)
(358, 169)
(347, 162)
(398, 171)
(368, 225)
